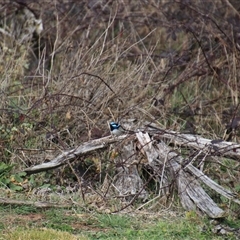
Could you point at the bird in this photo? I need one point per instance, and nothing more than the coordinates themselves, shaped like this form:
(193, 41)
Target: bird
(117, 129)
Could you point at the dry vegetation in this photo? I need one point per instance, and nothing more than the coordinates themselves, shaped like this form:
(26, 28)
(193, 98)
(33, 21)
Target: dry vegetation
(171, 62)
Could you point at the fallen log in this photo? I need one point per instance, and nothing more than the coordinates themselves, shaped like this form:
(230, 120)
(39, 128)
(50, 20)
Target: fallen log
(215, 147)
(71, 154)
(168, 165)
(190, 192)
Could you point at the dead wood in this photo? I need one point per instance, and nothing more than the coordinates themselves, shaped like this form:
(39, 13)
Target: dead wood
(127, 181)
(71, 154)
(190, 192)
(168, 166)
(216, 147)
(213, 185)
(7, 201)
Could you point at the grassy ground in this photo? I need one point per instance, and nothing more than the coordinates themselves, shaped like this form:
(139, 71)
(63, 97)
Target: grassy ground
(29, 223)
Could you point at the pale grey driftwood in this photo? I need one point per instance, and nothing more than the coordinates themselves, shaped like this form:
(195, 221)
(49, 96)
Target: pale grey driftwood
(213, 185)
(127, 181)
(218, 146)
(71, 154)
(190, 192)
(166, 163)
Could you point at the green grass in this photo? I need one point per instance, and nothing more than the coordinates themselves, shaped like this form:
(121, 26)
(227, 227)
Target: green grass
(36, 234)
(30, 223)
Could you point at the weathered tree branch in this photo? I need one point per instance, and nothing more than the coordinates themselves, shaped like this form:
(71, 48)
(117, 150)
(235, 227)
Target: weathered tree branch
(7, 201)
(168, 166)
(190, 191)
(71, 154)
(216, 147)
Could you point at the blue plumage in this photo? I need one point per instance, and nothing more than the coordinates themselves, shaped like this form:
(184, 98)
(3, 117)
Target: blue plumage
(116, 129)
